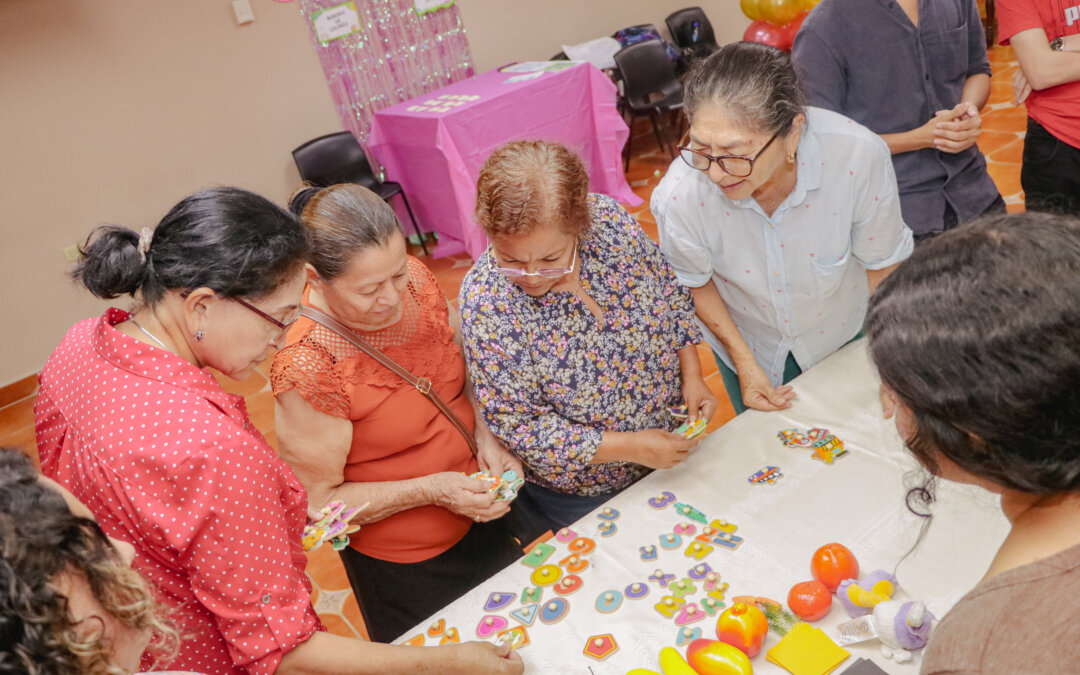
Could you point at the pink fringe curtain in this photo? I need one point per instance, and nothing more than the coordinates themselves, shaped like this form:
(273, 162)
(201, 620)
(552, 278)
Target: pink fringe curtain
(396, 55)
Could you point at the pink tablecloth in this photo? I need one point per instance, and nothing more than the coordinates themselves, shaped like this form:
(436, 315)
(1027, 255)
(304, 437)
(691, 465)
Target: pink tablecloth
(437, 154)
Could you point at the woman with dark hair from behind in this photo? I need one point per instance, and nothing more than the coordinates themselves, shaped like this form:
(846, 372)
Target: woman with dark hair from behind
(131, 420)
(70, 602)
(977, 340)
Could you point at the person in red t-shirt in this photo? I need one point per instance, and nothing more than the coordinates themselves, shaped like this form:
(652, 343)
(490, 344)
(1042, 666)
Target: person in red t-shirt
(1045, 34)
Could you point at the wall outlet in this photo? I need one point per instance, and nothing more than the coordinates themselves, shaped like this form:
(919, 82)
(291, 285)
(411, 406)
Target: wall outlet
(242, 10)
(71, 253)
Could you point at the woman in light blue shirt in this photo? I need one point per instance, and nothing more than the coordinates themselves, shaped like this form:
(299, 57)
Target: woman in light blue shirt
(780, 218)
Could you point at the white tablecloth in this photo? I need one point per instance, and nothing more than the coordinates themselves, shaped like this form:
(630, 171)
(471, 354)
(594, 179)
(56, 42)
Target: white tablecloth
(857, 501)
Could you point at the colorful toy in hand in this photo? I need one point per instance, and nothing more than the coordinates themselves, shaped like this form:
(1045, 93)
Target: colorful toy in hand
(826, 446)
(505, 486)
(679, 412)
(693, 429)
(332, 525)
(860, 597)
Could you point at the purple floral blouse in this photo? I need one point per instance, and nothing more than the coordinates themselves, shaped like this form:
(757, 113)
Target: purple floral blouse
(551, 377)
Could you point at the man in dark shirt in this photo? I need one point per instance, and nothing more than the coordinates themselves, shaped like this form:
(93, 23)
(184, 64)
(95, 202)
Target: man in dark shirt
(916, 74)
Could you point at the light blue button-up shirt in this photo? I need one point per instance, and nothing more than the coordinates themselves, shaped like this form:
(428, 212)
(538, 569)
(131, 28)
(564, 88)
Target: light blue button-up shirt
(794, 281)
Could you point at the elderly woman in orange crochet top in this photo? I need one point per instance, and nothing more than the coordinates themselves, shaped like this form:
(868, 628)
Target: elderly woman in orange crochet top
(354, 430)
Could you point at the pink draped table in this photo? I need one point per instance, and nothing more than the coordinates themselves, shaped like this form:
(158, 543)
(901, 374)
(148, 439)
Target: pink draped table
(436, 144)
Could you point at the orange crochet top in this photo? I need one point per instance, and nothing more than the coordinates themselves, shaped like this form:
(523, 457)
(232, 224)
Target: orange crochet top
(398, 433)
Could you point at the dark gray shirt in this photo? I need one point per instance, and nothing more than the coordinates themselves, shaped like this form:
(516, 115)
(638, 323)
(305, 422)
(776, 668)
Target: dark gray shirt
(865, 59)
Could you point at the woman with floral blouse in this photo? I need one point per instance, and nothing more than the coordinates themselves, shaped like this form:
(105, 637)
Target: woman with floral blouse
(577, 336)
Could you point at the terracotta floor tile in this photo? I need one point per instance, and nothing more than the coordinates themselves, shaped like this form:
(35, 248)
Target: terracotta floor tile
(351, 612)
(325, 568)
(991, 140)
(708, 363)
(338, 625)
(1010, 153)
(999, 55)
(724, 413)
(1009, 117)
(1006, 177)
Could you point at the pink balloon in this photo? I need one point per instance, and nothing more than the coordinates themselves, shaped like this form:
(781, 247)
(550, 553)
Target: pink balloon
(767, 34)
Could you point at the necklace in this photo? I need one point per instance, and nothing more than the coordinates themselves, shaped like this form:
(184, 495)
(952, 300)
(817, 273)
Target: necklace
(149, 334)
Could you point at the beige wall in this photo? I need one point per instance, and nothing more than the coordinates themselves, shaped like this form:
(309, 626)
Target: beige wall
(112, 110)
(501, 31)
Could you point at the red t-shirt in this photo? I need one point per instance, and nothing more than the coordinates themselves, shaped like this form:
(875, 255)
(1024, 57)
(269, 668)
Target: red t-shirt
(398, 434)
(1056, 108)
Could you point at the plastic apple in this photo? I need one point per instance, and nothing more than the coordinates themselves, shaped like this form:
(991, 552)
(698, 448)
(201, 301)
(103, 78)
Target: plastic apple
(809, 600)
(712, 657)
(744, 627)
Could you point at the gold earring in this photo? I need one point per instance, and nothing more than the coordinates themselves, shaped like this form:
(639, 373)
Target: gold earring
(791, 158)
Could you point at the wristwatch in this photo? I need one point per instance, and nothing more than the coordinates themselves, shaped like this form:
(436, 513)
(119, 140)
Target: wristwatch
(1057, 44)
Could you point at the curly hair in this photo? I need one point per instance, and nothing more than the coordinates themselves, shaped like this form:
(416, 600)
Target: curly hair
(978, 335)
(40, 539)
(526, 183)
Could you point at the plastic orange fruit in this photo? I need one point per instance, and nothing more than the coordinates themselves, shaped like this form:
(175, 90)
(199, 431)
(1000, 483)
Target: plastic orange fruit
(832, 563)
(744, 627)
(809, 600)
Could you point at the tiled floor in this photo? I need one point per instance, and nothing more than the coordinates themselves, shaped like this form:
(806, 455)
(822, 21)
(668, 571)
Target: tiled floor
(1001, 141)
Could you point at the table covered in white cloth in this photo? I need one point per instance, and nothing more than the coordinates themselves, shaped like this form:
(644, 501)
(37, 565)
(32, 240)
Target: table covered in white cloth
(857, 501)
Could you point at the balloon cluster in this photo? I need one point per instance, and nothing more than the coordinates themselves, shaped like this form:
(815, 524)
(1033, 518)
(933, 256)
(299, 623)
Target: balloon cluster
(775, 22)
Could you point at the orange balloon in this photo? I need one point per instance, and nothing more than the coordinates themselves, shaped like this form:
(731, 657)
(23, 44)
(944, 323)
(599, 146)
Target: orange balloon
(750, 9)
(779, 12)
(808, 5)
(833, 563)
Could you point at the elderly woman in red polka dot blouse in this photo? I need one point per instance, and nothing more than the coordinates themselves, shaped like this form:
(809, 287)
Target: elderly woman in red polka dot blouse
(130, 419)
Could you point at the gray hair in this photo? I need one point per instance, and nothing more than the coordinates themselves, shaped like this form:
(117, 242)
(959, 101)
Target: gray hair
(754, 83)
(343, 220)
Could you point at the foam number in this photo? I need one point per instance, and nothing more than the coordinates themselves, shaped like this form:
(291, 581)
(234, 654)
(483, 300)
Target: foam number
(689, 614)
(661, 500)
(686, 529)
(567, 585)
(663, 579)
(697, 550)
(490, 625)
(682, 587)
(538, 555)
(554, 610)
(608, 601)
(671, 541)
(565, 534)
(636, 590)
(574, 563)
(698, 572)
(546, 575)
(728, 541)
(691, 513)
(648, 553)
(668, 605)
(687, 635)
(438, 628)
(607, 529)
(723, 526)
(713, 583)
(582, 545)
(416, 640)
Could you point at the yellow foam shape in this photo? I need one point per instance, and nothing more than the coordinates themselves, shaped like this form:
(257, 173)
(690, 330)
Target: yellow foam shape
(807, 650)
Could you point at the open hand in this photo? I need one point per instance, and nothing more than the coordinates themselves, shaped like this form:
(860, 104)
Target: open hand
(759, 394)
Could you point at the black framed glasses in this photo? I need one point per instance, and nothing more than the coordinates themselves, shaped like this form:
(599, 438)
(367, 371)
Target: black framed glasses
(739, 166)
(283, 325)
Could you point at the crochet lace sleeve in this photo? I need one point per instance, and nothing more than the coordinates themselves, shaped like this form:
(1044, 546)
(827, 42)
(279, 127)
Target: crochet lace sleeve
(311, 370)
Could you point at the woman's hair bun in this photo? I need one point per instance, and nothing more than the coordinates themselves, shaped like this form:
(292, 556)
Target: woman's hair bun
(301, 197)
(111, 264)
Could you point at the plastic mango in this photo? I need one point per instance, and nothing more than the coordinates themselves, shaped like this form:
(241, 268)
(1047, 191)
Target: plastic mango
(712, 657)
(642, 671)
(672, 663)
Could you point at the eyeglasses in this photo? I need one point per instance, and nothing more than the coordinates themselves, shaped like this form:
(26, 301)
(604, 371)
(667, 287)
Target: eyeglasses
(739, 166)
(284, 326)
(545, 273)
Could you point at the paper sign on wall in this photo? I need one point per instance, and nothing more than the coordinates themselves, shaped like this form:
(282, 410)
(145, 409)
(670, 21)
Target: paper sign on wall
(336, 22)
(425, 6)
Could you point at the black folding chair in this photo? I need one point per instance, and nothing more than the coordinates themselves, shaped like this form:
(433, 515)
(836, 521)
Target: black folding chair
(338, 158)
(650, 86)
(692, 33)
